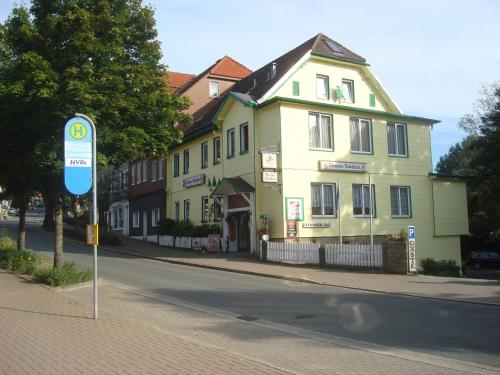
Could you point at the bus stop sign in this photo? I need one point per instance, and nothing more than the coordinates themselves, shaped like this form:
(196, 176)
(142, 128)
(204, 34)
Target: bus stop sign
(78, 156)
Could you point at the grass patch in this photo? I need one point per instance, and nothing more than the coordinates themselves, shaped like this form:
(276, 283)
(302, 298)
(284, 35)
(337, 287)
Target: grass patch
(65, 275)
(28, 263)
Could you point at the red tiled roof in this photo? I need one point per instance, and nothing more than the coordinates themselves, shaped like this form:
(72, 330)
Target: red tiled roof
(177, 80)
(230, 68)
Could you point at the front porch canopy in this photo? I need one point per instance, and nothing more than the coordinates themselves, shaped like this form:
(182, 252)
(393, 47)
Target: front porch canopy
(232, 185)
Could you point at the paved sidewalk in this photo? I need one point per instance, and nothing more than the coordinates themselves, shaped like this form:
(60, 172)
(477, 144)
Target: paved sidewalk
(448, 288)
(47, 331)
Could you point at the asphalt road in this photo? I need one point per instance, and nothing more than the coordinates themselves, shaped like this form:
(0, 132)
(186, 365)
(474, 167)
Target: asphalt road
(469, 332)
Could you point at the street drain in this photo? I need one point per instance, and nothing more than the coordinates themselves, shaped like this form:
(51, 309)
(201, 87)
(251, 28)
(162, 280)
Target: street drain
(304, 317)
(247, 318)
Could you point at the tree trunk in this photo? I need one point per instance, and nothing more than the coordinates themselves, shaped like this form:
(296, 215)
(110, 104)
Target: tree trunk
(21, 232)
(58, 245)
(48, 221)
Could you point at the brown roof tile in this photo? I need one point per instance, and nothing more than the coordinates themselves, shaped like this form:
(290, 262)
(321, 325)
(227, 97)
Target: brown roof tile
(177, 80)
(228, 67)
(258, 83)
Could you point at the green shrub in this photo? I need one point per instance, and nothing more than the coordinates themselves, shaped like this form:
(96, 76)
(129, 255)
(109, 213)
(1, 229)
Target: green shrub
(215, 229)
(166, 226)
(183, 229)
(201, 230)
(439, 268)
(18, 261)
(65, 275)
(6, 243)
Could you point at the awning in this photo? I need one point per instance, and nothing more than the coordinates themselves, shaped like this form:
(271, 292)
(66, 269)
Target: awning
(232, 185)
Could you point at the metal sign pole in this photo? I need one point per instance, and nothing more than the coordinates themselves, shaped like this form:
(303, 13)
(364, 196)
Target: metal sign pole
(94, 202)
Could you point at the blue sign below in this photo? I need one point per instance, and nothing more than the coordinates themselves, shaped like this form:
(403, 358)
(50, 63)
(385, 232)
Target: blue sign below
(411, 231)
(78, 156)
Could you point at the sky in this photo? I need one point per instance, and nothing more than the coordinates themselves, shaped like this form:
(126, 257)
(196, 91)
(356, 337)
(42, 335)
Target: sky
(432, 56)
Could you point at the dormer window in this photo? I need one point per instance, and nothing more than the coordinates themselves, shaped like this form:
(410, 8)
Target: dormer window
(213, 91)
(273, 70)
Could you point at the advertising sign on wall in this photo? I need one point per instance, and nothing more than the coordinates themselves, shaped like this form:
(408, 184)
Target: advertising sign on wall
(294, 209)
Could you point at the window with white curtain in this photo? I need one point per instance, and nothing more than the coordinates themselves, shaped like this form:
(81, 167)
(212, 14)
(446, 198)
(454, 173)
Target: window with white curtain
(322, 87)
(320, 131)
(323, 200)
(348, 90)
(400, 201)
(397, 139)
(361, 200)
(361, 135)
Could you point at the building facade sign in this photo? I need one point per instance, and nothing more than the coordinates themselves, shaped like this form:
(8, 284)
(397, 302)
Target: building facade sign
(269, 176)
(327, 165)
(194, 181)
(315, 225)
(269, 160)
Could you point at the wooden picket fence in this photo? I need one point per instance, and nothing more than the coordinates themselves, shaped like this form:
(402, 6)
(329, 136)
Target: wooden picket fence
(293, 252)
(354, 255)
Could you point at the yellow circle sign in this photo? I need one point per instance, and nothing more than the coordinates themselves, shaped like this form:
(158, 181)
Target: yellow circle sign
(78, 131)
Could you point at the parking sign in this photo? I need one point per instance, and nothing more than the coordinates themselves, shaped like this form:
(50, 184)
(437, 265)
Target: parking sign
(412, 251)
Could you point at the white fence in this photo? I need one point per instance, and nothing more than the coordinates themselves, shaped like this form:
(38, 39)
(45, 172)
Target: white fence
(294, 252)
(183, 242)
(354, 255)
(167, 241)
(199, 242)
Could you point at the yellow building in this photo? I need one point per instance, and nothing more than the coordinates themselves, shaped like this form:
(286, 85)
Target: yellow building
(310, 143)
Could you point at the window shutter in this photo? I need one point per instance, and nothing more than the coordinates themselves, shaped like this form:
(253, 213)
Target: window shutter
(372, 100)
(296, 88)
(338, 93)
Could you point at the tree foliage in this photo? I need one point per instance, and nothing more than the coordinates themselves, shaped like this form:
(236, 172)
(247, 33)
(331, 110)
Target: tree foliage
(477, 156)
(96, 57)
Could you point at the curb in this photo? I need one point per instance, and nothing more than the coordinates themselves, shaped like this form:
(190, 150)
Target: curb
(296, 279)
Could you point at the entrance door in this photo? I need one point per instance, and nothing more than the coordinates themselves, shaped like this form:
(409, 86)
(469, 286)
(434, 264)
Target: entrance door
(243, 232)
(145, 225)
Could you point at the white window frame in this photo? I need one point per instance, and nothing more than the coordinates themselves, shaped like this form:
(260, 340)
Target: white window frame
(217, 150)
(205, 208)
(244, 138)
(230, 143)
(350, 88)
(322, 81)
(161, 170)
(213, 89)
(136, 219)
(154, 170)
(334, 199)
(132, 171)
(399, 188)
(397, 140)
(186, 209)
(358, 122)
(139, 170)
(155, 217)
(363, 205)
(177, 165)
(145, 170)
(204, 155)
(319, 123)
(185, 162)
(177, 211)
